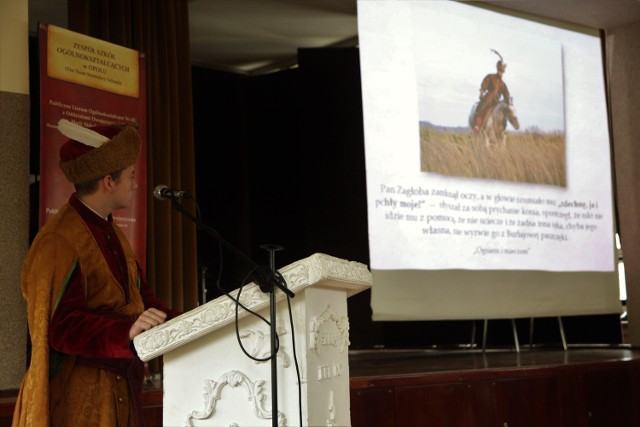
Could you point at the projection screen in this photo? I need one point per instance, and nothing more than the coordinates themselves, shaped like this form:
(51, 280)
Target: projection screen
(494, 209)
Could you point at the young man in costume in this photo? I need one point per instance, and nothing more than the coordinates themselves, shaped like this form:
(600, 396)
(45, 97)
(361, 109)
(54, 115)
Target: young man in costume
(86, 295)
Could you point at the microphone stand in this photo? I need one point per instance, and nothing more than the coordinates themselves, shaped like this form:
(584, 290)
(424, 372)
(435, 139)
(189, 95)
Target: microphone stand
(267, 281)
(272, 317)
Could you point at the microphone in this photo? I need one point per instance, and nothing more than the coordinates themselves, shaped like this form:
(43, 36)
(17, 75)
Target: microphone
(162, 192)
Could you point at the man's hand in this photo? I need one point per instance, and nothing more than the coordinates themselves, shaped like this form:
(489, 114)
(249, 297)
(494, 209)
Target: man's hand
(147, 320)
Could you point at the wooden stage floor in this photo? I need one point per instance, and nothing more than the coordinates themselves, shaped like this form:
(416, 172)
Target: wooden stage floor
(542, 386)
(397, 362)
(582, 386)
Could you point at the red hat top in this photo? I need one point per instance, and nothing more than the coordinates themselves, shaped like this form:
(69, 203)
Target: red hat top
(91, 153)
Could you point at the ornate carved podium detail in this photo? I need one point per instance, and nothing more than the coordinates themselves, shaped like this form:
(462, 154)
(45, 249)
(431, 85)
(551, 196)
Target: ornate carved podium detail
(331, 419)
(317, 270)
(258, 345)
(323, 336)
(213, 391)
(222, 310)
(204, 340)
(321, 266)
(326, 372)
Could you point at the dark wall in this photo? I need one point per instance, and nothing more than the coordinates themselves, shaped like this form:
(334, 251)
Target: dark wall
(280, 159)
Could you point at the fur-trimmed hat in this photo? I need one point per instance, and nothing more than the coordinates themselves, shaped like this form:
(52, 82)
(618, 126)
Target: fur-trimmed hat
(92, 153)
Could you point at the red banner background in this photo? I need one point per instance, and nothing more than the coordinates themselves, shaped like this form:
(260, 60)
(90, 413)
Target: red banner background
(78, 83)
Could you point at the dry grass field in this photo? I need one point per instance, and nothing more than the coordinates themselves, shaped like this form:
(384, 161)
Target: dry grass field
(529, 156)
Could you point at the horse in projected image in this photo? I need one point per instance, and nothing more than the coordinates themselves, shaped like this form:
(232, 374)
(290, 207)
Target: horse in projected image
(493, 129)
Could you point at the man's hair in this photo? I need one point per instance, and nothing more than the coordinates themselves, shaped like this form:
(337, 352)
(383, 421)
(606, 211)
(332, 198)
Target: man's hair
(90, 187)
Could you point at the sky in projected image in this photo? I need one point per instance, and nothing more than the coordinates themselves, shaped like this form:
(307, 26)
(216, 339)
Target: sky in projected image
(452, 54)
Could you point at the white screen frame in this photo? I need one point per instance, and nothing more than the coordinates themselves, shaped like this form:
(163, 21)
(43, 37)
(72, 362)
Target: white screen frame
(431, 280)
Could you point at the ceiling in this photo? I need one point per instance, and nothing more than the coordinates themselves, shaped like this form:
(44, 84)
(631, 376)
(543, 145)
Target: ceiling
(260, 36)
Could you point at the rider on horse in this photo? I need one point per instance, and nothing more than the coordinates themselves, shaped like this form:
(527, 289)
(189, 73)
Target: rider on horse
(491, 89)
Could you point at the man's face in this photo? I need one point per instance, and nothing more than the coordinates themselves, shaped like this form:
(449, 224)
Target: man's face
(124, 187)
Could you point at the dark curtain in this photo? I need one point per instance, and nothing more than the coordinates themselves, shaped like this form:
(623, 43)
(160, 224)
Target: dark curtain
(160, 30)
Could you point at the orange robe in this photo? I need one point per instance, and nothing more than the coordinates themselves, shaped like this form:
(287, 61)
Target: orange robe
(491, 88)
(72, 390)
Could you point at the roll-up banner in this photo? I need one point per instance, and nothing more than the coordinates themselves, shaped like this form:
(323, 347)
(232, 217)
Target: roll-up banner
(90, 82)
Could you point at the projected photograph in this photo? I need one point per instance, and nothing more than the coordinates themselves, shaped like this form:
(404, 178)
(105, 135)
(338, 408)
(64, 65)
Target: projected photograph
(490, 101)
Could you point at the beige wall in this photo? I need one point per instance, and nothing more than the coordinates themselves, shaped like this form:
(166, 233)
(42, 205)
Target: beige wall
(14, 182)
(14, 52)
(623, 64)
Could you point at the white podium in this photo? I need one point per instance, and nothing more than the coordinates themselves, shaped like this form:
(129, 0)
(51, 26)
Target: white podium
(208, 379)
